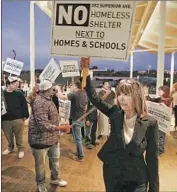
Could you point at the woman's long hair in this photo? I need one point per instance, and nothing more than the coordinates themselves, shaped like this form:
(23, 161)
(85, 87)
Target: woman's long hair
(134, 89)
(165, 98)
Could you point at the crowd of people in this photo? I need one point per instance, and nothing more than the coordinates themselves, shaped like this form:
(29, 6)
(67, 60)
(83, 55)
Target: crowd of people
(119, 117)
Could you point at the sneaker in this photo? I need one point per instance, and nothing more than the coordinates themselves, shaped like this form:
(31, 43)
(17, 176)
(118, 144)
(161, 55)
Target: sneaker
(42, 188)
(6, 152)
(75, 154)
(21, 154)
(161, 154)
(97, 142)
(89, 146)
(59, 182)
(99, 137)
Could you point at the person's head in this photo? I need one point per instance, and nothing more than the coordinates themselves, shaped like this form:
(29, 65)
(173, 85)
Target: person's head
(18, 83)
(164, 91)
(130, 97)
(76, 86)
(174, 89)
(146, 89)
(85, 61)
(106, 85)
(55, 89)
(46, 88)
(63, 87)
(12, 83)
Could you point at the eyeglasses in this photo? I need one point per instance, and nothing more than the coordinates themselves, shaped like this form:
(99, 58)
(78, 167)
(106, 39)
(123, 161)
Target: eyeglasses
(129, 81)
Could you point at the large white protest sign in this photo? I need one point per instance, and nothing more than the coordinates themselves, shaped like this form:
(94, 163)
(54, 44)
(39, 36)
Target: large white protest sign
(51, 71)
(3, 103)
(69, 68)
(13, 66)
(162, 114)
(92, 28)
(64, 108)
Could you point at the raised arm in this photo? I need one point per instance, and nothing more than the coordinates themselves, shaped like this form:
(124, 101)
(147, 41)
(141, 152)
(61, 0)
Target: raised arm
(96, 100)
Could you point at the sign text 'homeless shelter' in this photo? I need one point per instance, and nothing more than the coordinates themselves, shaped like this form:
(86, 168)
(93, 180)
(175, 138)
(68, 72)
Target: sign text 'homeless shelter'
(93, 28)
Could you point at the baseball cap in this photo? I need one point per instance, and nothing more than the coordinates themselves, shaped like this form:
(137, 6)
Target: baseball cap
(45, 85)
(12, 79)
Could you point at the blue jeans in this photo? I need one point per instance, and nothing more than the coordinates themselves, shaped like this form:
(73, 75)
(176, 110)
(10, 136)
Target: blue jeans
(88, 131)
(76, 131)
(161, 142)
(40, 155)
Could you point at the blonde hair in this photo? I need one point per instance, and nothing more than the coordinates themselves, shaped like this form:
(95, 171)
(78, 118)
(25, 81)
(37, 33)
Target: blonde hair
(174, 89)
(134, 89)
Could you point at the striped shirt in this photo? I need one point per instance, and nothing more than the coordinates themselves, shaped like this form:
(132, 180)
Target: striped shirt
(43, 121)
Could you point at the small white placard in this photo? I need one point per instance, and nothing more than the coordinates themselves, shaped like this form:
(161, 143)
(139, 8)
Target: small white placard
(3, 103)
(69, 68)
(51, 71)
(161, 113)
(13, 66)
(64, 108)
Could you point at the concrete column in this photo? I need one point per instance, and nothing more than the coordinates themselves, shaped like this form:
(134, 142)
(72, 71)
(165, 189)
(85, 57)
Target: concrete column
(32, 44)
(172, 70)
(161, 46)
(131, 65)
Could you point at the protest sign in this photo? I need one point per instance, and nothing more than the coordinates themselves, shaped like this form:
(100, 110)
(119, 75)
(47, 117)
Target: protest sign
(92, 28)
(64, 108)
(13, 66)
(161, 113)
(50, 72)
(69, 68)
(3, 103)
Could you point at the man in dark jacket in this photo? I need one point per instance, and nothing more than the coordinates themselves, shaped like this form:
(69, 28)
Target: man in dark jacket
(78, 106)
(13, 120)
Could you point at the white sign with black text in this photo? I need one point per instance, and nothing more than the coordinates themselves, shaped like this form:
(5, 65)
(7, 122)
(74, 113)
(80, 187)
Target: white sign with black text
(51, 71)
(92, 28)
(161, 113)
(13, 66)
(69, 68)
(3, 103)
(64, 108)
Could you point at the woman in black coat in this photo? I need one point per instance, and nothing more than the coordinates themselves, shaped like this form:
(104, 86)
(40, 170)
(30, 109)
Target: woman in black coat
(125, 167)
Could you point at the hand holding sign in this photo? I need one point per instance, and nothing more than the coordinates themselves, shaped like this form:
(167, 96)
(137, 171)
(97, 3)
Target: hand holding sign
(64, 128)
(84, 63)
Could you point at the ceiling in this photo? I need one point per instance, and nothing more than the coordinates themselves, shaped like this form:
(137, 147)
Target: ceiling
(145, 30)
(150, 33)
